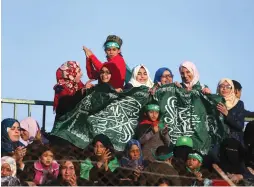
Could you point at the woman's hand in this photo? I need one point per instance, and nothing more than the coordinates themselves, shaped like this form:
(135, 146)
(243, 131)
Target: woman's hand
(137, 173)
(87, 51)
(118, 90)
(206, 91)
(104, 159)
(73, 180)
(222, 108)
(19, 153)
(178, 84)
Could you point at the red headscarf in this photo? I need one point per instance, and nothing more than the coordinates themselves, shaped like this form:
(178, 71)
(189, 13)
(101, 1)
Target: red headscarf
(66, 84)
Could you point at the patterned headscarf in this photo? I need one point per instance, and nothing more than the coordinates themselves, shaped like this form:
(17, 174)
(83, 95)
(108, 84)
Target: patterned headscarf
(192, 68)
(12, 163)
(135, 83)
(7, 146)
(65, 76)
(29, 124)
(159, 73)
(126, 160)
(231, 99)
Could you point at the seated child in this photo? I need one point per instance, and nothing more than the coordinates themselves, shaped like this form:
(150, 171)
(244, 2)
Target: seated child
(194, 169)
(46, 168)
(149, 133)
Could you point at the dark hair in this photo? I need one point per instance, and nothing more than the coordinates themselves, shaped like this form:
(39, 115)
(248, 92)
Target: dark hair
(164, 180)
(237, 85)
(75, 162)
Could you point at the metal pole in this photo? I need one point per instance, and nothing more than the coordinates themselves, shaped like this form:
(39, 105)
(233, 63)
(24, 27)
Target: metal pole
(43, 118)
(29, 110)
(15, 111)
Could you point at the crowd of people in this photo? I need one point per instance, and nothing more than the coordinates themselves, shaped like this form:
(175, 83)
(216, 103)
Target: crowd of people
(32, 157)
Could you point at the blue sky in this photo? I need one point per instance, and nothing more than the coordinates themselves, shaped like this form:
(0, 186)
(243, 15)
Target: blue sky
(38, 36)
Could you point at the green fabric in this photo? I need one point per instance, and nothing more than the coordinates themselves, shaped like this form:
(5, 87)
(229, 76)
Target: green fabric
(163, 157)
(103, 111)
(192, 114)
(184, 140)
(128, 74)
(196, 156)
(85, 168)
(113, 164)
(112, 44)
(153, 107)
(189, 170)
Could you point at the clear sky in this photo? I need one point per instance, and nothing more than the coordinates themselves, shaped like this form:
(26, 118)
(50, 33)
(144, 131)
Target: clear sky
(39, 35)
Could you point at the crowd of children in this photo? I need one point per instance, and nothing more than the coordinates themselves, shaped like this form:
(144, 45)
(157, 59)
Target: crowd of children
(30, 157)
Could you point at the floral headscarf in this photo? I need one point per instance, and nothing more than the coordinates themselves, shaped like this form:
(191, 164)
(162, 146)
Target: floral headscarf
(12, 163)
(135, 83)
(192, 68)
(231, 99)
(65, 76)
(29, 124)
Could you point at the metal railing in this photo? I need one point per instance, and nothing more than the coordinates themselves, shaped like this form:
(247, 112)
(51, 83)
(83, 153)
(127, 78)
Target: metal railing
(45, 104)
(15, 102)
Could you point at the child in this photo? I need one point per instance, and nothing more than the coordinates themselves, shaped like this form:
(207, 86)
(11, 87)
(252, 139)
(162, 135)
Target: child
(194, 169)
(46, 168)
(149, 133)
(112, 48)
(140, 77)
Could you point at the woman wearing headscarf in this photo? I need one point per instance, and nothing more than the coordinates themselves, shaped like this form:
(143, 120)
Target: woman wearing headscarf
(101, 167)
(140, 77)
(30, 131)
(163, 76)
(132, 164)
(69, 89)
(10, 145)
(190, 78)
(232, 110)
(8, 172)
(231, 157)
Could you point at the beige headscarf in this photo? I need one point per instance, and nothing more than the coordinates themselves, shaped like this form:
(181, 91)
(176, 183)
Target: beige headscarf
(194, 71)
(231, 99)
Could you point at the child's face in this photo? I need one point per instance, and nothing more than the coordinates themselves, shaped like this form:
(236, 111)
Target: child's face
(105, 75)
(112, 52)
(6, 170)
(142, 76)
(153, 115)
(99, 148)
(193, 163)
(67, 171)
(47, 158)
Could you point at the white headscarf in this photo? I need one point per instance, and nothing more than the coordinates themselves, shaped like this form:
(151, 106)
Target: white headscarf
(192, 68)
(30, 125)
(231, 99)
(135, 83)
(12, 163)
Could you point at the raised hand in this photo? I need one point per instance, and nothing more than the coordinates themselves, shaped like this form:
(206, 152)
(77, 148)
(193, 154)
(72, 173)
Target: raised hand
(87, 51)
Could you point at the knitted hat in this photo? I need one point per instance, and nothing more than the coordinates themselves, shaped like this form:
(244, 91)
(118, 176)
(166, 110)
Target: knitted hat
(184, 140)
(114, 38)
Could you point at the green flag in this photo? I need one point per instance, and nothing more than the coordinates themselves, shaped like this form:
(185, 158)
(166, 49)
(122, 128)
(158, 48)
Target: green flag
(103, 111)
(191, 114)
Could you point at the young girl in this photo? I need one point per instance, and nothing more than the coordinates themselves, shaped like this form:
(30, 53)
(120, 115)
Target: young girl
(140, 77)
(46, 168)
(112, 48)
(149, 133)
